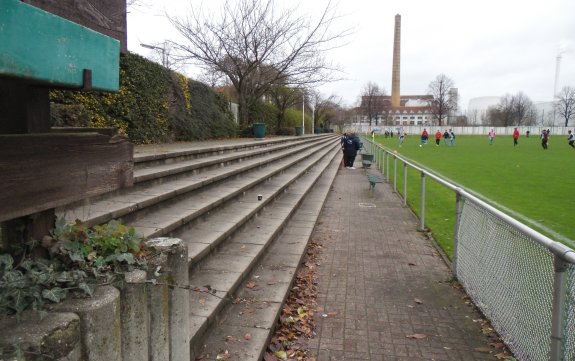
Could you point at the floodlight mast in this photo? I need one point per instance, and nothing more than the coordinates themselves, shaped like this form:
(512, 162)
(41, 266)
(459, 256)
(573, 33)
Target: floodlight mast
(161, 48)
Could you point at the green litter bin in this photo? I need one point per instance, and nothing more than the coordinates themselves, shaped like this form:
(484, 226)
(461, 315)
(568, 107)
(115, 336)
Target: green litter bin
(298, 130)
(259, 130)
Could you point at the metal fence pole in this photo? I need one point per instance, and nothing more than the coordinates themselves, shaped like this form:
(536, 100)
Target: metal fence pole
(395, 174)
(387, 167)
(558, 315)
(405, 184)
(422, 210)
(458, 209)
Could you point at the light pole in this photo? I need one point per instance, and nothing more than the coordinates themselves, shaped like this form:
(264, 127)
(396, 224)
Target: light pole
(303, 115)
(161, 48)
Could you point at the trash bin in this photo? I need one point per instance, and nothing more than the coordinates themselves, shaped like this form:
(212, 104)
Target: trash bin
(318, 130)
(298, 130)
(259, 130)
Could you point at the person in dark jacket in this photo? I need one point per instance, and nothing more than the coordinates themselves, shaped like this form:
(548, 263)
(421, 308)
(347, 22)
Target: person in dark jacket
(350, 147)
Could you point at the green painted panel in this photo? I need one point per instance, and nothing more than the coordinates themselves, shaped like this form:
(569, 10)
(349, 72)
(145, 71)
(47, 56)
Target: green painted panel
(47, 49)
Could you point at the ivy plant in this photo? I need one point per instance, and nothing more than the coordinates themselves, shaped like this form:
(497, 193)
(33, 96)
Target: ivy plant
(80, 259)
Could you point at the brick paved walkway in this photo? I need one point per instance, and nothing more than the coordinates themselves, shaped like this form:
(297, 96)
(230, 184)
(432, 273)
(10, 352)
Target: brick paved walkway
(375, 269)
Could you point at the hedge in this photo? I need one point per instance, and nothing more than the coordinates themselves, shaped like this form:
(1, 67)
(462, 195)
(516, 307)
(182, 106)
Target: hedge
(153, 105)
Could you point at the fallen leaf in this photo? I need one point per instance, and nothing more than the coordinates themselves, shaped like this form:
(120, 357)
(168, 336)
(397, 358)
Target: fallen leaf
(200, 357)
(411, 264)
(251, 285)
(482, 349)
(270, 283)
(230, 339)
(248, 310)
(418, 301)
(501, 356)
(417, 336)
(270, 357)
(202, 301)
(247, 337)
(281, 355)
(223, 356)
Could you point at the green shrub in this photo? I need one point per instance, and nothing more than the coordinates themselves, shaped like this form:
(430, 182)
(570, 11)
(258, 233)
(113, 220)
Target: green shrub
(286, 131)
(79, 259)
(153, 105)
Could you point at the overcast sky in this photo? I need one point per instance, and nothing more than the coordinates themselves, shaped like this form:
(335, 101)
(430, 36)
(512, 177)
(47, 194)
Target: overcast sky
(488, 47)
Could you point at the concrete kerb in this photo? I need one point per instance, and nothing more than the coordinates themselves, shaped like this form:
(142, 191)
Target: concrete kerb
(172, 294)
(55, 336)
(135, 330)
(100, 323)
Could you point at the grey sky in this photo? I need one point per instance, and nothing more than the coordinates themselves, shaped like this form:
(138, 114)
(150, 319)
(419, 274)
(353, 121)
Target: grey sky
(488, 48)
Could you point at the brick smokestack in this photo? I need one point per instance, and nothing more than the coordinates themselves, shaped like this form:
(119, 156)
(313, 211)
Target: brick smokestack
(395, 73)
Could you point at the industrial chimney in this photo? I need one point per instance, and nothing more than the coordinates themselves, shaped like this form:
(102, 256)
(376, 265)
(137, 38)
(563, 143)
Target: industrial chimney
(395, 73)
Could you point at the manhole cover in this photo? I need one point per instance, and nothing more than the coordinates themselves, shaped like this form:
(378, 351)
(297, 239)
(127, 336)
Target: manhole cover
(367, 205)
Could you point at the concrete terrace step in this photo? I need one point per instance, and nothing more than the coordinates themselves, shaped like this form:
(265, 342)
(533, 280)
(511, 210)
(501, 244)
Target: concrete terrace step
(174, 164)
(171, 216)
(230, 198)
(137, 198)
(255, 310)
(146, 156)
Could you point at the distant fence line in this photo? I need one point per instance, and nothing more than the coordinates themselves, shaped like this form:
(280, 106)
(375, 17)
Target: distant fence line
(481, 130)
(521, 280)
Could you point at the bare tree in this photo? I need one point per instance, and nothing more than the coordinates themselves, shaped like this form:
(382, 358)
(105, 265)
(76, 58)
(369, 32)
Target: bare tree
(372, 101)
(326, 109)
(256, 45)
(442, 103)
(513, 110)
(565, 104)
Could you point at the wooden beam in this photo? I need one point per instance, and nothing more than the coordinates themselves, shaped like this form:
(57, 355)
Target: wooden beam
(43, 171)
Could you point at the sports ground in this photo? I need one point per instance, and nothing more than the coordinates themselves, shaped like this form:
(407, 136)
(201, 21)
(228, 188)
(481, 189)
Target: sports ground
(533, 185)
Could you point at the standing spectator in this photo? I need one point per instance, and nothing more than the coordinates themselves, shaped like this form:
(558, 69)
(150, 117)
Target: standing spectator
(350, 148)
(491, 136)
(544, 138)
(401, 134)
(342, 141)
(437, 137)
(571, 139)
(515, 137)
(424, 136)
(445, 137)
(527, 132)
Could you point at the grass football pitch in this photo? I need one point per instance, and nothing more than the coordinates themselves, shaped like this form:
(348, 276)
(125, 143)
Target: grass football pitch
(535, 186)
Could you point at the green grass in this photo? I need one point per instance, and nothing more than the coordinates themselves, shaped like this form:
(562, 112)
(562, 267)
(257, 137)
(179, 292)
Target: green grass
(536, 187)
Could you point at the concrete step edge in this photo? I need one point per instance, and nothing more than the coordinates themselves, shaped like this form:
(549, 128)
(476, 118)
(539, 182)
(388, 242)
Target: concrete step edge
(260, 328)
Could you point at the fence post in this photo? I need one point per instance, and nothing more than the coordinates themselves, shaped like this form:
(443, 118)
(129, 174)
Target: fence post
(557, 334)
(422, 211)
(387, 167)
(458, 210)
(395, 174)
(404, 183)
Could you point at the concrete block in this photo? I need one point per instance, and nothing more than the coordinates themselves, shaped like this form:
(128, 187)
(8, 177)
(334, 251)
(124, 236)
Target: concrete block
(54, 337)
(135, 328)
(176, 273)
(100, 323)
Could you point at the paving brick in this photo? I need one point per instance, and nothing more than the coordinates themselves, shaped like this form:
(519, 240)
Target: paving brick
(374, 265)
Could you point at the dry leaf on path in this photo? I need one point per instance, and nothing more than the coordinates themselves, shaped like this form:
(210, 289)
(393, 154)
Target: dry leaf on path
(251, 285)
(418, 301)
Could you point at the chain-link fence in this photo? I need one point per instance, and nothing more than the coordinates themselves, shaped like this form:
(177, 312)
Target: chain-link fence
(522, 281)
(509, 277)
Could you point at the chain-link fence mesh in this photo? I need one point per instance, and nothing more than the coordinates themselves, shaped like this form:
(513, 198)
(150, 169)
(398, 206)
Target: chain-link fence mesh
(569, 324)
(509, 276)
